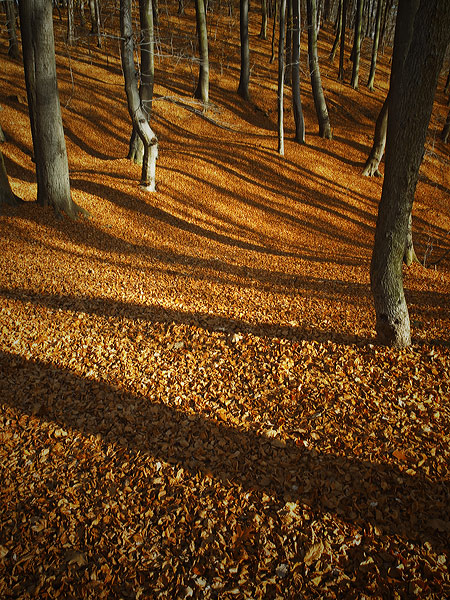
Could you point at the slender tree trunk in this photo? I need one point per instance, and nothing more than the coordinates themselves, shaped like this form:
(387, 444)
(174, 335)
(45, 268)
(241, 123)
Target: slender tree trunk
(357, 44)
(316, 81)
(281, 41)
(338, 33)
(288, 44)
(296, 99)
(94, 9)
(135, 108)
(7, 196)
(274, 29)
(263, 31)
(13, 45)
(49, 146)
(341, 75)
(446, 130)
(376, 41)
(70, 23)
(447, 83)
(244, 79)
(202, 91)
(136, 151)
(372, 164)
(418, 55)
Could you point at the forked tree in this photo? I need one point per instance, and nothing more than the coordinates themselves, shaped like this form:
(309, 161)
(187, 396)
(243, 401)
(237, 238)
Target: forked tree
(49, 145)
(416, 66)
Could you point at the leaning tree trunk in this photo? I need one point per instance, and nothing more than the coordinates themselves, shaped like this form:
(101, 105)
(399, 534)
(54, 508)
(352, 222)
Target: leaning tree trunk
(371, 167)
(413, 84)
(338, 32)
(7, 196)
(357, 44)
(281, 41)
(316, 81)
(296, 99)
(49, 146)
(13, 45)
(136, 151)
(135, 108)
(376, 41)
(202, 90)
(244, 78)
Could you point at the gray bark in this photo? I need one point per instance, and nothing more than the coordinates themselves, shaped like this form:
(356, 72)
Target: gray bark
(316, 81)
(371, 167)
(263, 31)
(296, 99)
(202, 90)
(417, 60)
(341, 74)
(13, 45)
(338, 32)
(281, 67)
(446, 129)
(135, 108)
(376, 41)
(7, 196)
(244, 79)
(357, 44)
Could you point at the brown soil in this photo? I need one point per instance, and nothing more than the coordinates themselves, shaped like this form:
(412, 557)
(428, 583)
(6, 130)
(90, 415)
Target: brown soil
(193, 404)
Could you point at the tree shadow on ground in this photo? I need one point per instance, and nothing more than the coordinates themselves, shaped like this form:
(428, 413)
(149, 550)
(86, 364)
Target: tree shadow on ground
(367, 494)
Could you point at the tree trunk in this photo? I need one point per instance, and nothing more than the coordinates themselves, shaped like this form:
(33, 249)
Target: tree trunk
(274, 29)
(13, 45)
(316, 81)
(288, 45)
(357, 45)
(417, 61)
(338, 32)
(135, 108)
(94, 9)
(70, 23)
(446, 130)
(341, 74)
(371, 167)
(281, 41)
(202, 90)
(376, 41)
(7, 196)
(244, 79)
(263, 31)
(136, 152)
(296, 100)
(49, 146)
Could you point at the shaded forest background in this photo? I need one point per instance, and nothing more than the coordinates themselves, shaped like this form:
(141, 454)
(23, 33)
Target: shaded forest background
(192, 400)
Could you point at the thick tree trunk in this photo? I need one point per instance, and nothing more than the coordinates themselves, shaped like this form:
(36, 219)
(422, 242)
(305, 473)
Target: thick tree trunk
(13, 45)
(371, 167)
(244, 79)
(296, 100)
(202, 90)
(316, 81)
(281, 42)
(135, 108)
(341, 74)
(357, 45)
(376, 41)
(49, 146)
(7, 196)
(416, 63)
(136, 152)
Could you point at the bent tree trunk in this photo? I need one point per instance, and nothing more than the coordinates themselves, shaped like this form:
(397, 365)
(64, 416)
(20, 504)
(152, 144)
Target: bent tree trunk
(135, 108)
(49, 145)
(372, 164)
(136, 151)
(202, 90)
(413, 85)
(316, 81)
(244, 78)
(296, 99)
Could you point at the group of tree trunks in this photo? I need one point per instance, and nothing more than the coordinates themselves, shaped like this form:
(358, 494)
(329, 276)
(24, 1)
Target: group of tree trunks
(421, 36)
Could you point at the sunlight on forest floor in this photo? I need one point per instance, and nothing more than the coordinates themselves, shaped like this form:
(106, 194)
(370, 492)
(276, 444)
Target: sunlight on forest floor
(193, 403)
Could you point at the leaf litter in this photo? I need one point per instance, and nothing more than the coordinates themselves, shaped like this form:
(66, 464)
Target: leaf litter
(193, 405)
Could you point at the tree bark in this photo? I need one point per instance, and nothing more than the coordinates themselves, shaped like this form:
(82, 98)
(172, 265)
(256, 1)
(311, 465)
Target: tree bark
(263, 30)
(372, 164)
(135, 108)
(376, 41)
(446, 129)
(341, 74)
(418, 55)
(70, 23)
(288, 45)
(274, 29)
(136, 151)
(202, 90)
(338, 33)
(49, 146)
(281, 65)
(296, 99)
(316, 81)
(244, 79)
(13, 45)
(357, 45)
(7, 196)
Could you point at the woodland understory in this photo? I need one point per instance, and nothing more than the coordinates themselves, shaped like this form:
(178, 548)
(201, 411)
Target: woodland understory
(193, 403)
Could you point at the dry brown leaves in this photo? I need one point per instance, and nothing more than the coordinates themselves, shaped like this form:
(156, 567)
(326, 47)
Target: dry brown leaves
(192, 401)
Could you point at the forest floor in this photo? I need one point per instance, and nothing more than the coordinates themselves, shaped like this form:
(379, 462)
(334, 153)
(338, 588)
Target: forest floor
(193, 402)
